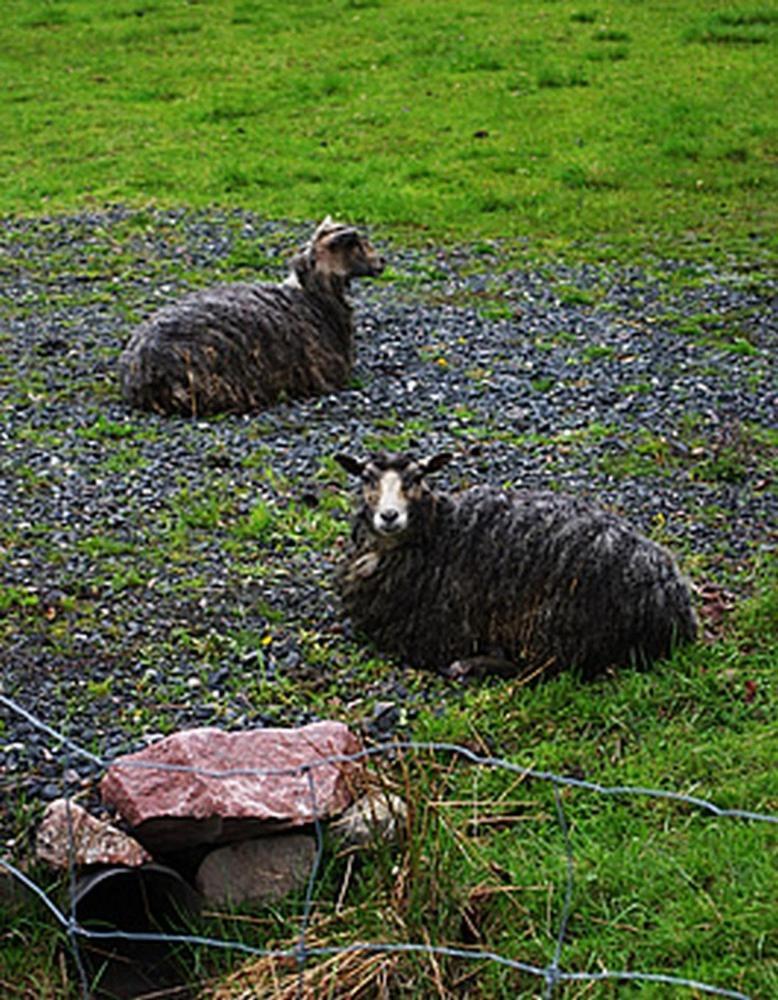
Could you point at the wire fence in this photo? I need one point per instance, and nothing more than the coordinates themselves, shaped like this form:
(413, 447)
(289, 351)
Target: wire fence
(551, 975)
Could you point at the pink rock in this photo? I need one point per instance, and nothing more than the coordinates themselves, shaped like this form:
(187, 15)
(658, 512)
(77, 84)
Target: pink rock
(94, 842)
(170, 809)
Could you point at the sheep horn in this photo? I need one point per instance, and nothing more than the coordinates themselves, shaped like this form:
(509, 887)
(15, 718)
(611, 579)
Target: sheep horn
(344, 236)
(435, 462)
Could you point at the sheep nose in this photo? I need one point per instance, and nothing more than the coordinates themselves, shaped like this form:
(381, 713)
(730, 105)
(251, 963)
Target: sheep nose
(389, 516)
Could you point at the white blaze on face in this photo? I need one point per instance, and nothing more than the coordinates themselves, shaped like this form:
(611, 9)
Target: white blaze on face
(390, 514)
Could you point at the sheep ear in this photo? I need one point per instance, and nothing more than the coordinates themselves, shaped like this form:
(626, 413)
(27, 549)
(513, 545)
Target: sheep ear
(325, 224)
(435, 462)
(351, 465)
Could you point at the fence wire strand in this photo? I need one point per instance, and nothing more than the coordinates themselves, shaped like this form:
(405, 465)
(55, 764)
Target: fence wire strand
(551, 975)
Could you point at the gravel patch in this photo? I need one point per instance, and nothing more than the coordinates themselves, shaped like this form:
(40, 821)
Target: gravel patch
(160, 573)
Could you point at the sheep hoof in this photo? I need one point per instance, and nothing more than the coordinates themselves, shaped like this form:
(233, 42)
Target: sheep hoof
(459, 670)
(480, 666)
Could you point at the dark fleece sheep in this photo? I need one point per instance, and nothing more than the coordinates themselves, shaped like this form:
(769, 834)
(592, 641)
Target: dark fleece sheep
(513, 583)
(241, 348)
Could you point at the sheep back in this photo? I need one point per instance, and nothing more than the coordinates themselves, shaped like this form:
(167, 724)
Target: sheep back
(238, 348)
(543, 580)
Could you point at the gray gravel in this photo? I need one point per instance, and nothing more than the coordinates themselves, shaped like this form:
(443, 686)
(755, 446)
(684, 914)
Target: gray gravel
(561, 376)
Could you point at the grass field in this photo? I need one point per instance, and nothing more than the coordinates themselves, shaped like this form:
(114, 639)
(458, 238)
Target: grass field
(584, 131)
(637, 126)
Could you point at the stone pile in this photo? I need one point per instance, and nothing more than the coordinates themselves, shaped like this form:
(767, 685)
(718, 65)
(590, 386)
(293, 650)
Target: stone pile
(244, 804)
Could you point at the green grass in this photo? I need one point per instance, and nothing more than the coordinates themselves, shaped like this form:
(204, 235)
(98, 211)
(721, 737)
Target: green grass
(644, 127)
(16, 597)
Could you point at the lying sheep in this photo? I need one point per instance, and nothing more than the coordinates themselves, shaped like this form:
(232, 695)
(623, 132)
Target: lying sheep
(240, 348)
(513, 583)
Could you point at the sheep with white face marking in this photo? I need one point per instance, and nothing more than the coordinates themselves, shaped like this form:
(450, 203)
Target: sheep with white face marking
(240, 348)
(514, 583)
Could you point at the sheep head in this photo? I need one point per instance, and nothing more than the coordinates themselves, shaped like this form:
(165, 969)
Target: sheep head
(335, 254)
(393, 487)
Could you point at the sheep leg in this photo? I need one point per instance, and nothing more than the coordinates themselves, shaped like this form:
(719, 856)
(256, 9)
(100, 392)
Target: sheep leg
(480, 666)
